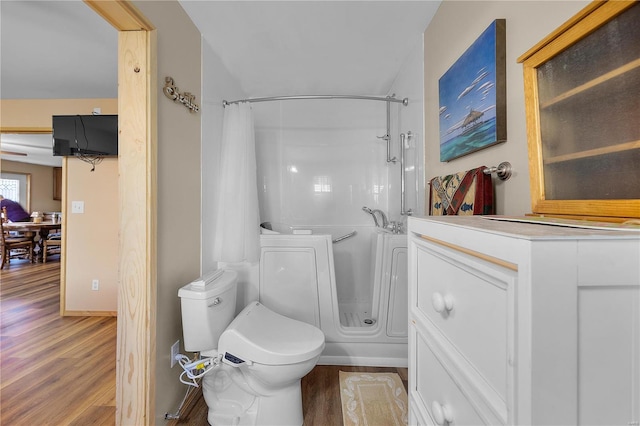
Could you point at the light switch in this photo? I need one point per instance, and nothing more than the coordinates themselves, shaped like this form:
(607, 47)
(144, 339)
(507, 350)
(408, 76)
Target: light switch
(77, 207)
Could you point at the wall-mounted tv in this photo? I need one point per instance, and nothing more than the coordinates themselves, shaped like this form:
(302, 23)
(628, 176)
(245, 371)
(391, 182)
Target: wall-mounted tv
(85, 135)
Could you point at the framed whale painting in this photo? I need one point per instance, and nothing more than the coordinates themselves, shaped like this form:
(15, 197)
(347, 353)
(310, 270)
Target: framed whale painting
(472, 96)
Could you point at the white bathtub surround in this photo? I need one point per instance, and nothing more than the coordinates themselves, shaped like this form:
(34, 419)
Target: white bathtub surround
(355, 290)
(236, 231)
(320, 161)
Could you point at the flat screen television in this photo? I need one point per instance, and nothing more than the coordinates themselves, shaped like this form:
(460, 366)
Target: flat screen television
(85, 135)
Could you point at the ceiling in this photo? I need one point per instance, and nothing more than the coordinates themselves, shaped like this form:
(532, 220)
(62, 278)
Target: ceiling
(312, 47)
(65, 50)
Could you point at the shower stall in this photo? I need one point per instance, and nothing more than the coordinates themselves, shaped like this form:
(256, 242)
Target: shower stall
(325, 260)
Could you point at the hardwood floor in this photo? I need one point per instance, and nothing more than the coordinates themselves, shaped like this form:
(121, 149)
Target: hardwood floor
(53, 370)
(61, 371)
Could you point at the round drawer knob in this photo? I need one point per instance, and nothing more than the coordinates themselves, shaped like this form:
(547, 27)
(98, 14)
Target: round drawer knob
(441, 303)
(441, 413)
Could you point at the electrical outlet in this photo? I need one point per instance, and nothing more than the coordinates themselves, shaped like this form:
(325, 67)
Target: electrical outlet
(95, 285)
(175, 350)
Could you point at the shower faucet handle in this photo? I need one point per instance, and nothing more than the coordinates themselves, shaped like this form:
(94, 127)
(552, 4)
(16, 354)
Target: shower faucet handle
(396, 227)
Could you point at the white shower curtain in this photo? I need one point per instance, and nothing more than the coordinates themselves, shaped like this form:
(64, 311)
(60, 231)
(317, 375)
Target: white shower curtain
(237, 228)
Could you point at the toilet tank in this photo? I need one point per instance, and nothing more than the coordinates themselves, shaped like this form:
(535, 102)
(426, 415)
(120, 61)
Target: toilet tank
(208, 306)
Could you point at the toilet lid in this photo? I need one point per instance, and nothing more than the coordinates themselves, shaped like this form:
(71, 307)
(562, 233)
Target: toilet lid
(260, 335)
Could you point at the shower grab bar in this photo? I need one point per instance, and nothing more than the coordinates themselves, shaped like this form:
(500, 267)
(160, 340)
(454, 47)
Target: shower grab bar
(402, 178)
(344, 237)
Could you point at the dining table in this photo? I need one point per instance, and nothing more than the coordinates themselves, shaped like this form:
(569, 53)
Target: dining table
(39, 231)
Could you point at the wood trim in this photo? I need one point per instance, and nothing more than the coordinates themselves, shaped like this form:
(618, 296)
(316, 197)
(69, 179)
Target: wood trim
(581, 26)
(137, 164)
(63, 232)
(476, 254)
(90, 313)
(123, 15)
(593, 218)
(593, 83)
(33, 116)
(589, 19)
(567, 26)
(588, 208)
(627, 146)
(57, 183)
(534, 145)
(135, 372)
(26, 130)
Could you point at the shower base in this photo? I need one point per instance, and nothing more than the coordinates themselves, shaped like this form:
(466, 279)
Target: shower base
(355, 315)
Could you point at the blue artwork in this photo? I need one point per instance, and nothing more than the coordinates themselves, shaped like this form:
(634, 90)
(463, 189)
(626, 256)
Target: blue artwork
(472, 96)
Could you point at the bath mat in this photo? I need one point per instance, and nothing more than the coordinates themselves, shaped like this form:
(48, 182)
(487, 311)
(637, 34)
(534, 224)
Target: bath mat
(373, 399)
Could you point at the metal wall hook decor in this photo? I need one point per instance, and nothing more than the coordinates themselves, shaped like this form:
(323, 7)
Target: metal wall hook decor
(172, 92)
(503, 170)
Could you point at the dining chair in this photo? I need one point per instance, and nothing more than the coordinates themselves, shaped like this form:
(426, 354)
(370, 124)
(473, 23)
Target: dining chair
(51, 245)
(21, 246)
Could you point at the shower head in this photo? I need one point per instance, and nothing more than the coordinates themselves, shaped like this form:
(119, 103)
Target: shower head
(367, 209)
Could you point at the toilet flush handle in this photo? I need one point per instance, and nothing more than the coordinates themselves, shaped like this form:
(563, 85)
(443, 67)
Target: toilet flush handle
(216, 301)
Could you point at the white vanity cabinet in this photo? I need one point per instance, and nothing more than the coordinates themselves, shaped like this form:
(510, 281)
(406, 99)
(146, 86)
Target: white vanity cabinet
(516, 323)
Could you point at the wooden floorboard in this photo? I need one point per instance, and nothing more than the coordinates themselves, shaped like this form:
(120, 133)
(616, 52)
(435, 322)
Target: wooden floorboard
(53, 370)
(61, 370)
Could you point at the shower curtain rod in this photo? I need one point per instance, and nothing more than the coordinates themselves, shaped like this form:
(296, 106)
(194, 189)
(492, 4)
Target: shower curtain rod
(404, 101)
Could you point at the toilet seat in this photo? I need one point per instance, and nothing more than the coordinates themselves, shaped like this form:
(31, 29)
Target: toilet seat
(260, 335)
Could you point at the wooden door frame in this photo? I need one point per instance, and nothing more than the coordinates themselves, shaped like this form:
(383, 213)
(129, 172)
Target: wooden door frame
(137, 188)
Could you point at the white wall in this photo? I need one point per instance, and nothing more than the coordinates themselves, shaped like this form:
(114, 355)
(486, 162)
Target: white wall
(453, 29)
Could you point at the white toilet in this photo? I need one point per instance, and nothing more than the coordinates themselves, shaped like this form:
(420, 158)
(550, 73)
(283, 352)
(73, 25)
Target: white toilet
(264, 354)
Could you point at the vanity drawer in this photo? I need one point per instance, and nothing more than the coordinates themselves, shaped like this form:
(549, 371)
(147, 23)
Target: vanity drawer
(468, 301)
(438, 393)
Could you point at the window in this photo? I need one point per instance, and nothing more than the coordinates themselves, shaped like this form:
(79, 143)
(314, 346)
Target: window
(15, 186)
